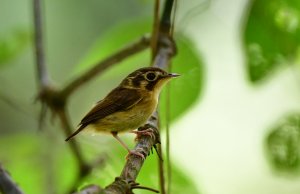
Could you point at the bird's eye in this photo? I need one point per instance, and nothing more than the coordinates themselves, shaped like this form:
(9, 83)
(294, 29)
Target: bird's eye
(150, 76)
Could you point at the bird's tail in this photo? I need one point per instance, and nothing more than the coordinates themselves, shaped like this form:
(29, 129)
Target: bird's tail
(76, 132)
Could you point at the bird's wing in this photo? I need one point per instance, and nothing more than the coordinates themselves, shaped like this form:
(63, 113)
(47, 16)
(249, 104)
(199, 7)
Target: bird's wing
(119, 99)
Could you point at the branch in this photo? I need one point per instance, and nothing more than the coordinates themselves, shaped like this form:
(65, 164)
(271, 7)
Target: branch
(120, 55)
(73, 144)
(134, 164)
(91, 189)
(166, 45)
(165, 22)
(155, 30)
(48, 95)
(39, 45)
(7, 185)
(42, 74)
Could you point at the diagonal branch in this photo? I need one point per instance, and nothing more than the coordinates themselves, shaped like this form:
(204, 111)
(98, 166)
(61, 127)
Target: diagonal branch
(120, 55)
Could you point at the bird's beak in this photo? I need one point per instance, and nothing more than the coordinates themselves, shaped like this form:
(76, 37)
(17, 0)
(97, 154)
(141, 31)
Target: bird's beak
(171, 75)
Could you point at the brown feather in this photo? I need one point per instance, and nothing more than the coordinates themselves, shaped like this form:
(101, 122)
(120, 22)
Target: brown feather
(119, 99)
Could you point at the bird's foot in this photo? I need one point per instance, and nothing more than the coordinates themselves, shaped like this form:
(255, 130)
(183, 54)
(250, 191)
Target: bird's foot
(136, 153)
(148, 132)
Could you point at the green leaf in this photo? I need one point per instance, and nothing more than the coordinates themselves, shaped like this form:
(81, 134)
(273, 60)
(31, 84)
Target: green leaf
(13, 44)
(272, 36)
(185, 90)
(283, 145)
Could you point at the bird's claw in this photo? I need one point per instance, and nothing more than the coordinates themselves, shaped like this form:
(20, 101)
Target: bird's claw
(148, 132)
(136, 153)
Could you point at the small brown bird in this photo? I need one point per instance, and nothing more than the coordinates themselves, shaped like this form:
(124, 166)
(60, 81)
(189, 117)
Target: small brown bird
(128, 106)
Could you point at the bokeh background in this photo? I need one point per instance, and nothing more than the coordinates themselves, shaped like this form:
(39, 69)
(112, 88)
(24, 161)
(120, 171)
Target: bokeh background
(235, 125)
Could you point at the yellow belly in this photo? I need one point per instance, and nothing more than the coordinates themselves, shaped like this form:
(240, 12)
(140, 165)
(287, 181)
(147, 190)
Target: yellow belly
(126, 120)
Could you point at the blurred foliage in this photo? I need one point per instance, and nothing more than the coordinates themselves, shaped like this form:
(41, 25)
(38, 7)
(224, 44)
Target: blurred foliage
(272, 36)
(35, 162)
(181, 183)
(114, 39)
(187, 63)
(283, 145)
(13, 44)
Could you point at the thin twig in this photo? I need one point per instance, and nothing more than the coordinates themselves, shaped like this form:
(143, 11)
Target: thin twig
(161, 172)
(120, 55)
(168, 160)
(155, 29)
(39, 45)
(168, 114)
(174, 18)
(145, 188)
(42, 73)
(7, 185)
(68, 130)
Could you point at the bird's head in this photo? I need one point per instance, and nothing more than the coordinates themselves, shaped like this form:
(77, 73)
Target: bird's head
(148, 78)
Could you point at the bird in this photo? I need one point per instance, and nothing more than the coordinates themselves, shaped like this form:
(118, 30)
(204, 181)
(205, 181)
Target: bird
(128, 106)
